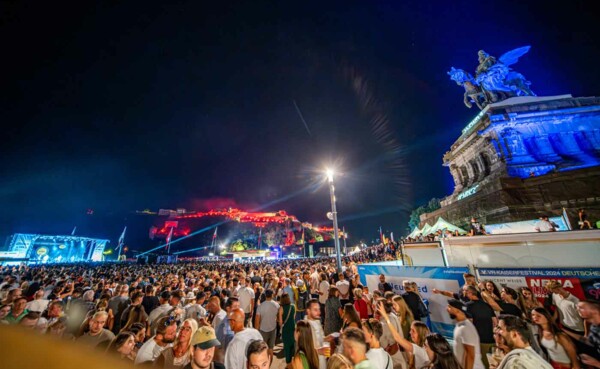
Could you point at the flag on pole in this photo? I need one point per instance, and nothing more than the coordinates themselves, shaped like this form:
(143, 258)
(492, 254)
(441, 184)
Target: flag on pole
(122, 238)
(259, 237)
(215, 234)
(74, 229)
(566, 217)
(381, 235)
(169, 238)
(392, 236)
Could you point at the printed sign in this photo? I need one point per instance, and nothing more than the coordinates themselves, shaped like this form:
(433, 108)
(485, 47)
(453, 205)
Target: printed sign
(427, 278)
(583, 283)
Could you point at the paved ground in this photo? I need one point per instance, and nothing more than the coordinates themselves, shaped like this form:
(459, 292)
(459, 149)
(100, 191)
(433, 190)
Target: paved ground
(278, 359)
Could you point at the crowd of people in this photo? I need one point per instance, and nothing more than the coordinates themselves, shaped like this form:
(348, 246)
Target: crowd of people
(232, 315)
(476, 228)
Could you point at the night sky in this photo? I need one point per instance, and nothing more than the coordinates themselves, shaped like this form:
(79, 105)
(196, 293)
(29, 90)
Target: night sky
(123, 105)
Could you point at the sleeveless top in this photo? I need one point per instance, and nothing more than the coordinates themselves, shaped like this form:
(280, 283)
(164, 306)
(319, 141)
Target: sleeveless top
(304, 360)
(556, 351)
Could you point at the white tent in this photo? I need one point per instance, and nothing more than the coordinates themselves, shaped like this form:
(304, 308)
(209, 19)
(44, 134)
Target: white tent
(426, 229)
(414, 233)
(443, 225)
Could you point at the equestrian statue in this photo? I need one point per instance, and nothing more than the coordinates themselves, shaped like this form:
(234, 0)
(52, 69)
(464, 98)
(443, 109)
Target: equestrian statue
(494, 80)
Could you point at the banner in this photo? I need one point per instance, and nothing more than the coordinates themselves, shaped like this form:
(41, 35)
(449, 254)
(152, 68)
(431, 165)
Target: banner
(427, 278)
(583, 283)
(524, 226)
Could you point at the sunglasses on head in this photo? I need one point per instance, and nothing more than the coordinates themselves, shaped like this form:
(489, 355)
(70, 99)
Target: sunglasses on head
(171, 320)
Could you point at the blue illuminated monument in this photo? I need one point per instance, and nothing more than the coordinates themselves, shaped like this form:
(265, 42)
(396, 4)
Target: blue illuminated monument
(522, 155)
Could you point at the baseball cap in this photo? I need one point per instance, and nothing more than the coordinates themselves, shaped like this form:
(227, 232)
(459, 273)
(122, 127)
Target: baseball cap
(459, 305)
(205, 338)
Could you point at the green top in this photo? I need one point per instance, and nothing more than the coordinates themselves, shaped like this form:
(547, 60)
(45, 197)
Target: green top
(11, 319)
(304, 360)
(365, 364)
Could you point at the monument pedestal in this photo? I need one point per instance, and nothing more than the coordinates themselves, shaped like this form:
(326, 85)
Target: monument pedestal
(523, 157)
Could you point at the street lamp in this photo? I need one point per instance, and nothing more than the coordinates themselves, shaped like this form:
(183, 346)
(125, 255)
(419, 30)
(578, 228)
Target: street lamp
(338, 257)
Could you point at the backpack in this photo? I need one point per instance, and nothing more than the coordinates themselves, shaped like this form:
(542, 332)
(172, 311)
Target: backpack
(303, 298)
(423, 311)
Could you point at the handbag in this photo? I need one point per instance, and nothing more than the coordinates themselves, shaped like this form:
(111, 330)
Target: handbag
(392, 349)
(286, 319)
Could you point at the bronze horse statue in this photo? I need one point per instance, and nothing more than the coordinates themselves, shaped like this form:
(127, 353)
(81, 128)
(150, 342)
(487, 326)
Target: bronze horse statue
(473, 92)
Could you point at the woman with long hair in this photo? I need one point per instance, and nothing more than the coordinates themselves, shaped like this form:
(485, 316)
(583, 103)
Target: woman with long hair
(179, 355)
(350, 317)
(285, 318)
(560, 348)
(306, 356)
(139, 331)
(339, 361)
(360, 304)
(137, 314)
(418, 332)
(123, 345)
(491, 288)
(440, 353)
(333, 312)
(404, 314)
(527, 300)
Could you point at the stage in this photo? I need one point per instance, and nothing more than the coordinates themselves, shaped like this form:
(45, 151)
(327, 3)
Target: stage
(43, 249)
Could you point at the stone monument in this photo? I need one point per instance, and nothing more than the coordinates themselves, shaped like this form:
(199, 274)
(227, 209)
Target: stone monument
(522, 155)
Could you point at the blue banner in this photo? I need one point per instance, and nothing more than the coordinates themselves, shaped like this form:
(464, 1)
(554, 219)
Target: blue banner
(427, 278)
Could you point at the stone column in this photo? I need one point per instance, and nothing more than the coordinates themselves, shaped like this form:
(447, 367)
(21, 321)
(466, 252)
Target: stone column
(545, 151)
(458, 186)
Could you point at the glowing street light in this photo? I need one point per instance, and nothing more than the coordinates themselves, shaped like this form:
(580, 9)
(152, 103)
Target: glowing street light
(336, 237)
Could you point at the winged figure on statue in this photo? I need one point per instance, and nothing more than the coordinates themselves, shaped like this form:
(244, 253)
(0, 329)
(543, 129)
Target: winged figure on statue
(494, 80)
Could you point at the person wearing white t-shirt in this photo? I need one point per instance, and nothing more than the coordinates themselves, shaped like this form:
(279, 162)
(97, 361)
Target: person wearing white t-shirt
(235, 355)
(314, 282)
(246, 298)
(343, 287)
(378, 357)
(466, 338)
(166, 332)
(566, 308)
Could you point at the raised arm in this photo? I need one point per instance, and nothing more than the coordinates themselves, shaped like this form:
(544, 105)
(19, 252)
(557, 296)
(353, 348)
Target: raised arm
(404, 343)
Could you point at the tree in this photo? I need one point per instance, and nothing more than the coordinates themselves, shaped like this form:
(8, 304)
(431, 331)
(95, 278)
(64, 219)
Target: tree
(415, 215)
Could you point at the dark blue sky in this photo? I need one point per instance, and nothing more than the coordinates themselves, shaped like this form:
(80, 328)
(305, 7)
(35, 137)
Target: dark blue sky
(121, 106)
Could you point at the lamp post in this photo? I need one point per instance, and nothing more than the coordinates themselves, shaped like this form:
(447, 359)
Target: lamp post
(335, 221)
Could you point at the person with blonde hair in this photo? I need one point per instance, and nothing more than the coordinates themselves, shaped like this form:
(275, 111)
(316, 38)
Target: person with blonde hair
(404, 314)
(418, 332)
(339, 361)
(360, 304)
(179, 355)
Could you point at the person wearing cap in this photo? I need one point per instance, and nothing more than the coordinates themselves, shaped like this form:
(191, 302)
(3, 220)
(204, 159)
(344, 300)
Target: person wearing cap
(484, 320)
(301, 298)
(266, 320)
(195, 309)
(466, 339)
(203, 344)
